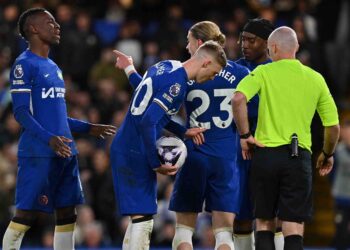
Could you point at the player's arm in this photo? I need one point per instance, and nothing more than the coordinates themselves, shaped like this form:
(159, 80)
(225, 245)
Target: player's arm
(196, 134)
(246, 89)
(23, 115)
(253, 104)
(176, 129)
(21, 87)
(125, 62)
(149, 122)
(97, 130)
(327, 110)
(78, 126)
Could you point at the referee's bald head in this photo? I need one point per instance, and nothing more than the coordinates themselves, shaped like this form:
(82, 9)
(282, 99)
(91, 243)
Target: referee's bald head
(283, 41)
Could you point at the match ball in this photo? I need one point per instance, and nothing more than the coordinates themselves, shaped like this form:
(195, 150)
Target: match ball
(171, 150)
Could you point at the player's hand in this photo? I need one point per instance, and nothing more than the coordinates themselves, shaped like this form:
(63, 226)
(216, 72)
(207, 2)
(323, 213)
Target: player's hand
(58, 144)
(101, 130)
(123, 60)
(248, 145)
(324, 165)
(167, 169)
(196, 134)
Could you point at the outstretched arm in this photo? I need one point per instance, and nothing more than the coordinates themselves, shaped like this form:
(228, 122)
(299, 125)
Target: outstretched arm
(196, 134)
(98, 130)
(125, 62)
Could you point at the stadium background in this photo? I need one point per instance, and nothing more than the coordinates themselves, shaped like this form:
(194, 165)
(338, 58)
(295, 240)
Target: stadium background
(153, 30)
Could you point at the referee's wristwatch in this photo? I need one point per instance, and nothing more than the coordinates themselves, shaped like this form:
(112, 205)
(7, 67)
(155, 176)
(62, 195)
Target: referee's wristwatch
(245, 136)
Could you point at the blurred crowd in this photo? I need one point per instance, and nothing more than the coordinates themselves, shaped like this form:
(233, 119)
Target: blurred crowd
(150, 31)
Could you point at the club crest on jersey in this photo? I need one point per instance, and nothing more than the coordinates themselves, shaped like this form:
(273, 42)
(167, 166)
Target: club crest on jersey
(174, 89)
(18, 71)
(59, 74)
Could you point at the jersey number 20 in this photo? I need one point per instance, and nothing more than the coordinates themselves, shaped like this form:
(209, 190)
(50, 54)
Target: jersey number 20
(146, 98)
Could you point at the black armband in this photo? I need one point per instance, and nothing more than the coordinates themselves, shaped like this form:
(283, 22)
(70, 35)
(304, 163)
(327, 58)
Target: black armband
(245, 136)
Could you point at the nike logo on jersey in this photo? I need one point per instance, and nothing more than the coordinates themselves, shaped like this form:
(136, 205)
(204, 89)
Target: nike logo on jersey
(46, 75)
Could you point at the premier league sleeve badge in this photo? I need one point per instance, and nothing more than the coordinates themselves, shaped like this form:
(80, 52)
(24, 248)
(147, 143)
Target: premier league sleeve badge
(174, 89)
(18, 71)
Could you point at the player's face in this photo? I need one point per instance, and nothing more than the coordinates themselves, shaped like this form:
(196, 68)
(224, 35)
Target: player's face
(208, 71)
(253, 47)
(192, 43)
(47, 28)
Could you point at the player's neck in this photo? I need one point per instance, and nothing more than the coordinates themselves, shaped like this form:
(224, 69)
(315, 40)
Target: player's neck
(261, 59)
(191, 68)
(40, 50)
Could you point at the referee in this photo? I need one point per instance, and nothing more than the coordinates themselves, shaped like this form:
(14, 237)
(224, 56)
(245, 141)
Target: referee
(281, 174)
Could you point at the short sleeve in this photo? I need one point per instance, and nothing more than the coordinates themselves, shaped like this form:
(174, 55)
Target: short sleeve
(326, 107)
(251, 84)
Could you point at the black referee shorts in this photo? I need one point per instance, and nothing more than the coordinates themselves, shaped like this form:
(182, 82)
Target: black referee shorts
(281, 185)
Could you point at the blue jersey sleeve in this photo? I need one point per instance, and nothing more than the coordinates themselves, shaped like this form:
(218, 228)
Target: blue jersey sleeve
(21, 87)
(135, 79)
(149, 122)
(176, 128)
(78, 126)
(170, 97)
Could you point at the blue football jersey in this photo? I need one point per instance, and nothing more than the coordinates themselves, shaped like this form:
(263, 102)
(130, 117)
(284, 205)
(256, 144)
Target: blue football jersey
(38, 91)
(163, 85)
(209, 105)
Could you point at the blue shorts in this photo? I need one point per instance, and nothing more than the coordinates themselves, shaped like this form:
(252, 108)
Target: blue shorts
(206, 178)
(135, 184)
(246, 209)
(47, 183)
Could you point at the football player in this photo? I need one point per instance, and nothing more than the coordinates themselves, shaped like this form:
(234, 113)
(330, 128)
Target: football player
(48, 178)
(157, 96)
(209, 173)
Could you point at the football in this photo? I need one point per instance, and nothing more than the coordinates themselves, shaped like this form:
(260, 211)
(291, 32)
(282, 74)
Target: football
(171, 150)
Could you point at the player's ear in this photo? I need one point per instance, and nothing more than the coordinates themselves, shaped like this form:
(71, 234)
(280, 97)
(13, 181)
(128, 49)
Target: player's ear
(199, 42)
(32, 29)
(206, 63)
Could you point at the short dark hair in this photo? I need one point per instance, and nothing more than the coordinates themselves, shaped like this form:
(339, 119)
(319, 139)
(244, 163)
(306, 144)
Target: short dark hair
(259, 27)
(23, 19)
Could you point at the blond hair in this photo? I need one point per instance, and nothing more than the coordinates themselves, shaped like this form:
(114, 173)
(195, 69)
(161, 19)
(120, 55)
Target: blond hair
(207, 30)
(215, 50)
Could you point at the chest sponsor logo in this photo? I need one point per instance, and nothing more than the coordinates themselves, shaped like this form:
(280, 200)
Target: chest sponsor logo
(18, 71)
(53, 92)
